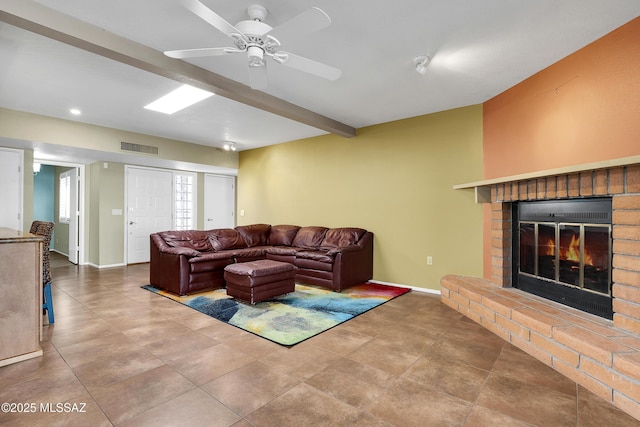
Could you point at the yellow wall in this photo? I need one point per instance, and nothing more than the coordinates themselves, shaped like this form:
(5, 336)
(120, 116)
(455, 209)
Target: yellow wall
(92, 215)
(106, 192)
(394, 179)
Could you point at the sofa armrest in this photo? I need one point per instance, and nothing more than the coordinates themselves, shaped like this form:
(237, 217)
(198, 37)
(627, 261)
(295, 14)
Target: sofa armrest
(355, 265)
(182, 251)
(351, 248)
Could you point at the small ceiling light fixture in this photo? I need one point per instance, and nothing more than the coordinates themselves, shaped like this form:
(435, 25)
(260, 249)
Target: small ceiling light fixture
(75, 111)
(178, 99)
(229, 146)
(421, 63)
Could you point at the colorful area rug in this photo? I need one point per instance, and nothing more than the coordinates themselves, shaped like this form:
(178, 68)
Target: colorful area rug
(291, 318)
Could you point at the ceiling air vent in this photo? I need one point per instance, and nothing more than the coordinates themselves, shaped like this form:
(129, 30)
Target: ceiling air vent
(138, 148)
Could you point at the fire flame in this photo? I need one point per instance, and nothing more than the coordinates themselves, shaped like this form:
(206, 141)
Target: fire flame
(572, 253)
(551, 247)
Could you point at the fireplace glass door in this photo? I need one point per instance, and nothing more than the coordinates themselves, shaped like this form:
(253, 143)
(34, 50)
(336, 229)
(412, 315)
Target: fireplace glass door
(571, 254)
(562, 252)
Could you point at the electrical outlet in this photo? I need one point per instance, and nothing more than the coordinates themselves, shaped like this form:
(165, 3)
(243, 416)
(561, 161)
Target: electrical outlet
(429, 260)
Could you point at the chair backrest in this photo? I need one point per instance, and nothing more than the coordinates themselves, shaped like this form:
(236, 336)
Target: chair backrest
(44, 229)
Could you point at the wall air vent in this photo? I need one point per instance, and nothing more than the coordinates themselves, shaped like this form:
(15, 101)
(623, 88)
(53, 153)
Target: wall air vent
(138, 148)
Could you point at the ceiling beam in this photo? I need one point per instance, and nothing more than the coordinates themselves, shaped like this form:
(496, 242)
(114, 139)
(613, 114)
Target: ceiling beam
(34, 17)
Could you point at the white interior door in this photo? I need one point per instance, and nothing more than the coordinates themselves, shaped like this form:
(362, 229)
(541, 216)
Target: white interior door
(219, 201)
(74, 245)
(11, 189)
(149, 209)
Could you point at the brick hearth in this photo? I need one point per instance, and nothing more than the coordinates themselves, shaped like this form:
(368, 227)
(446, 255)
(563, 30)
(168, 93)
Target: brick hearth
(601, 355)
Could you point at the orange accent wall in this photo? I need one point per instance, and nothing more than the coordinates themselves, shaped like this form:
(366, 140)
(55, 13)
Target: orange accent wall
(584, 108)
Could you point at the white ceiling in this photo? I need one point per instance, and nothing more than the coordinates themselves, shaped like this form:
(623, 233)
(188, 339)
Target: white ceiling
(478, 49)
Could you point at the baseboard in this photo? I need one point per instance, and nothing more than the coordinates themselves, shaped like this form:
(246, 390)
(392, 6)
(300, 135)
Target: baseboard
(59, 252)
(20, 358)
(413, 288)
(90, 264)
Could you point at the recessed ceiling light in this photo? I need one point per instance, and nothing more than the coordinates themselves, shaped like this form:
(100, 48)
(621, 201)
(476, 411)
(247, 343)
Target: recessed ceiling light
(178, 99)
(75, 111)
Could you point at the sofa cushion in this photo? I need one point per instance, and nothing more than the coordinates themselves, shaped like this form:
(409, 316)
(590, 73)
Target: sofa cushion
(256, 251)
(198, 245)
(321, 256)
(340, 237)
(226, 238)
(281, 250)
(255, 234)
(282, 235)
(210, 261)
(309, 237)
(312, 264)
(191, 239)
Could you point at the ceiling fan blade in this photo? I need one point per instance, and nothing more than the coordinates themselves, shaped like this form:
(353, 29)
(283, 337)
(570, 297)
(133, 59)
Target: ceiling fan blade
(196, 53)
(313, 19)
(258, 78)
(210, 16)
(310, 66)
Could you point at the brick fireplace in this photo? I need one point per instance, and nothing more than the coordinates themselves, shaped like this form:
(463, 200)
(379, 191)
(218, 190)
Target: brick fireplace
(623, 185)
(601, 355)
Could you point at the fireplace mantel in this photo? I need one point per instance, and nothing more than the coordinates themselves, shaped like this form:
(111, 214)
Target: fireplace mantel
(483, 188)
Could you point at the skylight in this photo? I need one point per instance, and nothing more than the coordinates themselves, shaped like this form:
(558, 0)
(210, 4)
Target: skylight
(178, 99)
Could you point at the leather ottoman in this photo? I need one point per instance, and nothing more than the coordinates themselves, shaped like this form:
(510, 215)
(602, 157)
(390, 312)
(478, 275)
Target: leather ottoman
(256, 281)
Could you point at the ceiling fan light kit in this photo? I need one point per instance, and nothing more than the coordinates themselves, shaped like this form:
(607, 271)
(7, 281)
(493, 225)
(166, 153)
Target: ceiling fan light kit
(256, 56)
(258, 39)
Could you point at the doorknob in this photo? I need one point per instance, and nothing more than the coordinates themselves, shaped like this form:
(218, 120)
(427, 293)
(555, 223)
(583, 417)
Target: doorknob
(209, 219)
(131, 222)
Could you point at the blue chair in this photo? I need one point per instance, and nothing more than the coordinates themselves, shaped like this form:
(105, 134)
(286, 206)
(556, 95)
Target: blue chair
(45, 229)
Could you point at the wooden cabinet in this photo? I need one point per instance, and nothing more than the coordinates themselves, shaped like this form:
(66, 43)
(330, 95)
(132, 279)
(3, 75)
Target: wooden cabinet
(20, 296)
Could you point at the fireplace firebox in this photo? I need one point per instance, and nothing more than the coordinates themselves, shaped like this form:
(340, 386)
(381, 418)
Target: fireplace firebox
(562, 252)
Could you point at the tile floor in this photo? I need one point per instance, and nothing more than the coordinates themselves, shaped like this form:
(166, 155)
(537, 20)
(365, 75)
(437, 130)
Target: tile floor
(128, 357)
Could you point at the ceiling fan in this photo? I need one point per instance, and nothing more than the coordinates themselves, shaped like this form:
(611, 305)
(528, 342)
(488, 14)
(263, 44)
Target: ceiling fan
(258, 40)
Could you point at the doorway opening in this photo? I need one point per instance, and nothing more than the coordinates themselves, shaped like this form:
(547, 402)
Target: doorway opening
(58, 196)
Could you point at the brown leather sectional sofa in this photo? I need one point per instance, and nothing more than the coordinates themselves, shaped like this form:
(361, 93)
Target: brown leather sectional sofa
(184, 262)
